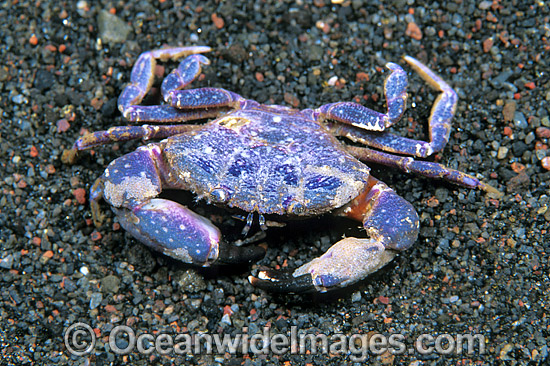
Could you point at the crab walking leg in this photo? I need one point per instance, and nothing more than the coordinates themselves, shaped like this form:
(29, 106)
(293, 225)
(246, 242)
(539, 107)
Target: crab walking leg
(131, 184)
(384, 141)
(204, 98)
(443, 109)
(395, 91)
(127, 133)
(164, 113)
(424, 168)
(142, 78)
(186, 72)
(391, 224)
(439, 122)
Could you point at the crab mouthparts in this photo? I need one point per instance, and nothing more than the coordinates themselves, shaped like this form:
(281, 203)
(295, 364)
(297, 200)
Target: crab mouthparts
(250, 221)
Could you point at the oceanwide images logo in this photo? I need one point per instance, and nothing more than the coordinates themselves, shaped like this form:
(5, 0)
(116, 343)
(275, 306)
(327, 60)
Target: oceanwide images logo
(80, 340)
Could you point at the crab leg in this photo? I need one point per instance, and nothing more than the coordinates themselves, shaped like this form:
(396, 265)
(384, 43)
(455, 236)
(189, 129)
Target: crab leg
(424, 168)
(391, 224)
(203, 98)
(131, 184)
(444, 106)
(395, 91)
(439, 121)
(384, 141)
(142, 79)
(127, 133)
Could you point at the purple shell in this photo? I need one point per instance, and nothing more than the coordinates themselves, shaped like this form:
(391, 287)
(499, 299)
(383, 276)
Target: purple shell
(267, 159)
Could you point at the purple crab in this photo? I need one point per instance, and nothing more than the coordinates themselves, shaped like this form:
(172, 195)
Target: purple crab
(270, 160)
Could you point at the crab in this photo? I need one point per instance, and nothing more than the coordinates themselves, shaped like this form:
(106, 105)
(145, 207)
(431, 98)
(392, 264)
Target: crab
(268, 160)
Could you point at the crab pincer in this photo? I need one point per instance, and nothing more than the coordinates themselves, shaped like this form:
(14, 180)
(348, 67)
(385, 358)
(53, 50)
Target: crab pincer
(131, 184)
(391, 224)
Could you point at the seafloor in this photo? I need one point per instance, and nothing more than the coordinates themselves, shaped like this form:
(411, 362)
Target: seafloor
(480, 265)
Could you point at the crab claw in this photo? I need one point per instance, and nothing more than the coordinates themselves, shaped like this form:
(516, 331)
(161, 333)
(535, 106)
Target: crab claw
(131, 185)
(391, 224)
(178, 232)
(172, 229)
(230, 254)
(282, 281)
(344, 263)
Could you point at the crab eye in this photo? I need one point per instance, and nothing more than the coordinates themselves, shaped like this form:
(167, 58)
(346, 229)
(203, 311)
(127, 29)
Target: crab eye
(297, 208)
(293, 206)
(220, 195)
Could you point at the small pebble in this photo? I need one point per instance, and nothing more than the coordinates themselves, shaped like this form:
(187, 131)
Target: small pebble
(112, 29)
(540, 154)
(509, 110)
(485, 4)
(519, 120)
(543, 132)
(218, 21)
(413, 31)
(332, 81)
(82, 7)
(7, 262)
(487, 44)
(80, 195)
(530, 138)
(95, 300)
(62, 125)
(226, 319)
(18, 99)
(190, 281)
(502, 152)
(110, 283)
